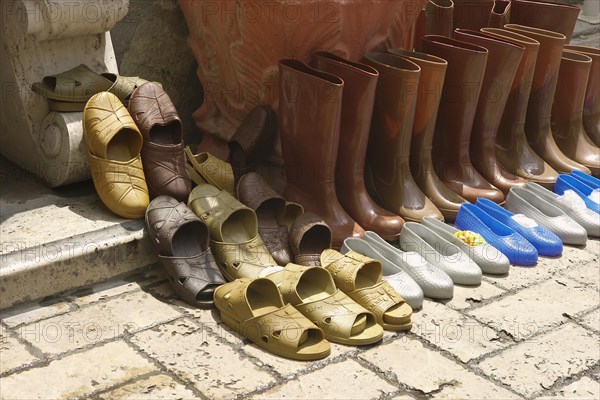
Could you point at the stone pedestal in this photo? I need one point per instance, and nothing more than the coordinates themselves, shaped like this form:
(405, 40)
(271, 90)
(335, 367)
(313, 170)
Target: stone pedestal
(40, 38)
(237, 45)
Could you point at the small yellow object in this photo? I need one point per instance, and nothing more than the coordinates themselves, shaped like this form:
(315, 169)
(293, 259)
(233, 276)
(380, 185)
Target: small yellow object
(471, 238)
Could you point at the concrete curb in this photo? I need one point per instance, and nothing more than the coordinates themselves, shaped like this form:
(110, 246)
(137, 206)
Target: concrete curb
(74, 262)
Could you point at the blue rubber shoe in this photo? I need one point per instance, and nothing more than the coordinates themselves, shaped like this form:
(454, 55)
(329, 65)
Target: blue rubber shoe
(589, 180)
(568, 182)
(514, 246)
(545, 242)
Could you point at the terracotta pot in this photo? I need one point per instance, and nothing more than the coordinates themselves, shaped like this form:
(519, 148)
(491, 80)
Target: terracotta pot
(237, 45)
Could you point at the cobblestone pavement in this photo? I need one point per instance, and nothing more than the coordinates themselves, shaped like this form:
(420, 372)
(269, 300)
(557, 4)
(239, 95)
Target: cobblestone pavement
(532, 334)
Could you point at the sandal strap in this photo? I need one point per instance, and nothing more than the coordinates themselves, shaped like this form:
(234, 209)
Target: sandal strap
(242, 260)
(301, 227)
(335, 314)
(378, 299)
(309, 260)
(124, 86)
(283, 328)
(275, 238)
(212, 170)
(75, 85)
(197, 272)
(254, 191)
(344, 268)
(166, 221)
(118, 176)
(109, 118)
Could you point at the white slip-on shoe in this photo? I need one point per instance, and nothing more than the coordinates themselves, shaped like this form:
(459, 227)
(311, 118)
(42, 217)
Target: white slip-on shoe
(393, 274)
(523, 201)
(435, 283)
(441, 253)
(486, 256)
(572, 205)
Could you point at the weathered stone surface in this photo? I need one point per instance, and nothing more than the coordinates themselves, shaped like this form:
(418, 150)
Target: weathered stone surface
(12, 353)
(288, 367)
(423, 369)
(211, 365)
(582, 389)
(97, 322)
(345, 380)
(592, 319)
(153, 388)
(447, 329)
(465, 296)
(78, 374)
(528, 311)
(588, 274)
(533, 365)
(32, 312)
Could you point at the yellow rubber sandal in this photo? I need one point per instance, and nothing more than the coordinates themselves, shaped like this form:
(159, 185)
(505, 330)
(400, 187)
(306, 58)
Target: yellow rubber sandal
(255, 309)
(206, 168)
(360, 278)
(311, 291)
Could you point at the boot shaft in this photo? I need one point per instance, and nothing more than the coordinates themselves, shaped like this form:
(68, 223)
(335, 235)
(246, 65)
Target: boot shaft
(438, 17)
(460, 94)
(393, 114)
(472, 14)
(503, 61)
(544, 78)
(591, 106)
(309, 118)
(547, 15)
(500, 14)
(360, 83)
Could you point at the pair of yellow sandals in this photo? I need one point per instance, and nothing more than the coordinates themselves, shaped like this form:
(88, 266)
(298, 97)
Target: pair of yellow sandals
(295, 311)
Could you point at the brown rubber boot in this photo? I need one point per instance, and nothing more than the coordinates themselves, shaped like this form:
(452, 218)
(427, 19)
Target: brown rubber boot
(567, 111)
(500, 14)
(512, 149)
(552, 16)
(503, 61)
(389, 178)
(434, 19)
(360, 83)
(310, 105)
(472, 14)
(433, 71)
(464, 76)
(591, 106)
(537, 124)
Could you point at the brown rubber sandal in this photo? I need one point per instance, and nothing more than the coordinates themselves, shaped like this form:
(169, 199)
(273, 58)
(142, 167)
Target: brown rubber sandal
(309, 237)
(256, 193)
(183, 247)
(360, 278)
(255, 309)
(250, 142)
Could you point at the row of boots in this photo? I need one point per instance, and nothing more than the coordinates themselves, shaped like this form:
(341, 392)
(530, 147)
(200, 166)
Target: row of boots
(406, 135)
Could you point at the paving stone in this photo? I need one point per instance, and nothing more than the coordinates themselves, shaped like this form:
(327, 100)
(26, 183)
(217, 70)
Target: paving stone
(447, 329)
(583, 389)
(592, 319)
(465, 296)
(12, 353)
(403, 396)
(32, 312)
(588, 274)
(152, 388)
(522, 277)
(422, 369)
(211, 365)
(536, 364)
(345, 380)
(288, 367)
(528, 311)
(97, 322)
(78, 374)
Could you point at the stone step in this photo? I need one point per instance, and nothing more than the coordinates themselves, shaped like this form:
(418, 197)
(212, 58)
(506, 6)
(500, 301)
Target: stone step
(53, 240)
